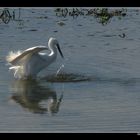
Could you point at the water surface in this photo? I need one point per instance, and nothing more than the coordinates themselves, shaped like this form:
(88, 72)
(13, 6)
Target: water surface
(97, 90)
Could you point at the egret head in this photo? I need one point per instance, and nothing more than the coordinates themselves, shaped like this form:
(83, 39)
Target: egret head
(54, 42)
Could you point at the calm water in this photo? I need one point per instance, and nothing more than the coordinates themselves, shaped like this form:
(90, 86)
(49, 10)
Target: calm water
(100, 90)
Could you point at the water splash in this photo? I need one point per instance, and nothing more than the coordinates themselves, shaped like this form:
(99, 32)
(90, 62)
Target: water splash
(58, 71)
(67, 77)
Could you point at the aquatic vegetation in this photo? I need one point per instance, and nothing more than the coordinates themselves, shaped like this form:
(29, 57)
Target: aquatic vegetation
(63, 12)
(60, 23)
(123, 35)
(6, 15)
(103, 15)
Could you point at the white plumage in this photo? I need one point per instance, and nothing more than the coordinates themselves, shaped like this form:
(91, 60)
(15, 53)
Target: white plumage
(30, 62)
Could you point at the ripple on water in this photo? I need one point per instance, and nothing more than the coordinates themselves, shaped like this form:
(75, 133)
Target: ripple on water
(65, 77)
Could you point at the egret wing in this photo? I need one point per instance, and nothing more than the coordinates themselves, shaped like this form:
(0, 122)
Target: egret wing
(29, 51)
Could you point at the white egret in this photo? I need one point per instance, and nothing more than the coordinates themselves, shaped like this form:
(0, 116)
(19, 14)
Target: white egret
(30, 62)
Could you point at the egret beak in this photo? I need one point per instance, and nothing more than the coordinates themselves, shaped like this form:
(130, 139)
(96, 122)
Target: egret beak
(60, 50)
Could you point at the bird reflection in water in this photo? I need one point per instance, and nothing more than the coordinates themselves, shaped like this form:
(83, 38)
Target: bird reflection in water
(29, 94)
